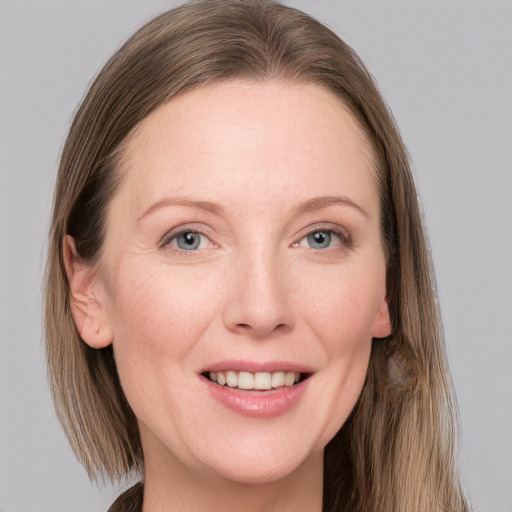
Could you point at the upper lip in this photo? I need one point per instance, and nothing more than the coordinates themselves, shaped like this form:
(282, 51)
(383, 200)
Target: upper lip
(257, 366)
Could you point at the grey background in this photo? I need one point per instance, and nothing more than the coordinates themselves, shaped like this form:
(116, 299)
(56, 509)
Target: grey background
(445, 69)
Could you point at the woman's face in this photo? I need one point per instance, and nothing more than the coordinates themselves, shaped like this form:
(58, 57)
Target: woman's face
(243, 245)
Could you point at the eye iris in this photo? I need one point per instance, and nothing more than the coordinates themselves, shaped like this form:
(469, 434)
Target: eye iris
(319, 239)
(188, 241)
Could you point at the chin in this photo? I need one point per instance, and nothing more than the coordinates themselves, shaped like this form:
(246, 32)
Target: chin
(257, 470)
(265, 457)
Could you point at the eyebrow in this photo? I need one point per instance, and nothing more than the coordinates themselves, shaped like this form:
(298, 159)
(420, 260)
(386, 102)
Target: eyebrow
(208, 206)
(317, 203)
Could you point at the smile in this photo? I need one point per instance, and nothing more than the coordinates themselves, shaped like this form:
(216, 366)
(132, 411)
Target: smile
(255, 381)
(256, 394)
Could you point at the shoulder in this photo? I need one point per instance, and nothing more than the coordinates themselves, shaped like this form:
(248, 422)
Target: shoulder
(129, 501)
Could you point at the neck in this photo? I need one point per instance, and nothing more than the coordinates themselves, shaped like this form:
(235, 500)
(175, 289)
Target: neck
(179, 488)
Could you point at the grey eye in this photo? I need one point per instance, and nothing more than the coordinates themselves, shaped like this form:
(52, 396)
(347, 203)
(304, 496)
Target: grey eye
(319, 239)
(188, 241)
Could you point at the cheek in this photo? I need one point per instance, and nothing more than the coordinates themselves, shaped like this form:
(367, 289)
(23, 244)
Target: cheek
(158, 316)
(341, 314)
(343, 307)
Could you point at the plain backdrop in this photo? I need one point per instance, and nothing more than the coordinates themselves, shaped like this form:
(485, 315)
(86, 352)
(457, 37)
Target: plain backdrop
(445, 68)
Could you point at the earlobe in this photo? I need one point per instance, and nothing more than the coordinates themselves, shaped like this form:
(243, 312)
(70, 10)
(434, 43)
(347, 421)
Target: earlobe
(382, 324)
(86, 298)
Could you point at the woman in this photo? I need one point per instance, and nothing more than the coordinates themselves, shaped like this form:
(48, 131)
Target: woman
(240, 307)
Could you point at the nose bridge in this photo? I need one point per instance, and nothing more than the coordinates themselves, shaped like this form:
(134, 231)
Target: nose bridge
(259, 302)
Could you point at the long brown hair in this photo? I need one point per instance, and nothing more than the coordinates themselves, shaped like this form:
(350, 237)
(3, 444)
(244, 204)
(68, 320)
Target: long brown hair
(396, 452)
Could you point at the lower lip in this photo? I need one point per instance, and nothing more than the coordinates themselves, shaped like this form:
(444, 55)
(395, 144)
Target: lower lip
(257, 404)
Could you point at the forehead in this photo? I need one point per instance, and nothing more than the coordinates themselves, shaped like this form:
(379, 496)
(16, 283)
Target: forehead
(223, 136)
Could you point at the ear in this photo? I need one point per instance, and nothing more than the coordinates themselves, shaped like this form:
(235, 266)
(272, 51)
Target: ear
(87, 298)
(382, 324)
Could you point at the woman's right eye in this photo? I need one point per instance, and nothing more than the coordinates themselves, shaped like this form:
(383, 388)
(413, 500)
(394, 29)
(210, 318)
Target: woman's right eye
(188, 241)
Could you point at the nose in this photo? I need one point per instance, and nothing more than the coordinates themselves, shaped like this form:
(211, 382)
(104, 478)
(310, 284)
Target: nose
(259, 302)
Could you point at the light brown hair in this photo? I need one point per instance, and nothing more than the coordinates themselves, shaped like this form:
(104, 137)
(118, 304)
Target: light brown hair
(396, 452)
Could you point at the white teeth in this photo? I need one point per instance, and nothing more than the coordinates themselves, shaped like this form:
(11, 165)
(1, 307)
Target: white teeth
(245, 380)
(258, 380)
(289, 378)
(262, 380)
(277, 379)
(231, 379)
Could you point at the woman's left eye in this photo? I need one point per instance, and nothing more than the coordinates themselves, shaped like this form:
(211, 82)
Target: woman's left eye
(189, 241)
(322, 239)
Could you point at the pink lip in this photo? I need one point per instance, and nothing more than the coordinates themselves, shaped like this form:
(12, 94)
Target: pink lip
(257, 366)
(257, 404)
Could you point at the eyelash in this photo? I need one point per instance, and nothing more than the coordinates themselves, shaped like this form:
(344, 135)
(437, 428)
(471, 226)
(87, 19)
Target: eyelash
(342, 235)
(168, 238)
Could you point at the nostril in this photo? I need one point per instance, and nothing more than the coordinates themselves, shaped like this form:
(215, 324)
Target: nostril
(261, 330)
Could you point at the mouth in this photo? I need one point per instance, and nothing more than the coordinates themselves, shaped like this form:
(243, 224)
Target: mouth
(257, 389)
(258, 381)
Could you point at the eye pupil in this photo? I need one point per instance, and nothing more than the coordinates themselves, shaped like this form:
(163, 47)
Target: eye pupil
(319, 239)
(189, 240)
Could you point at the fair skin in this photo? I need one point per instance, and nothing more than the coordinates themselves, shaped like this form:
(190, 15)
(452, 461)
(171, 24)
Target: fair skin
(244, 237)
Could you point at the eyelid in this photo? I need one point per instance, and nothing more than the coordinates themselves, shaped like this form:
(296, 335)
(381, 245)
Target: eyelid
(165, 240)
(338, 230)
